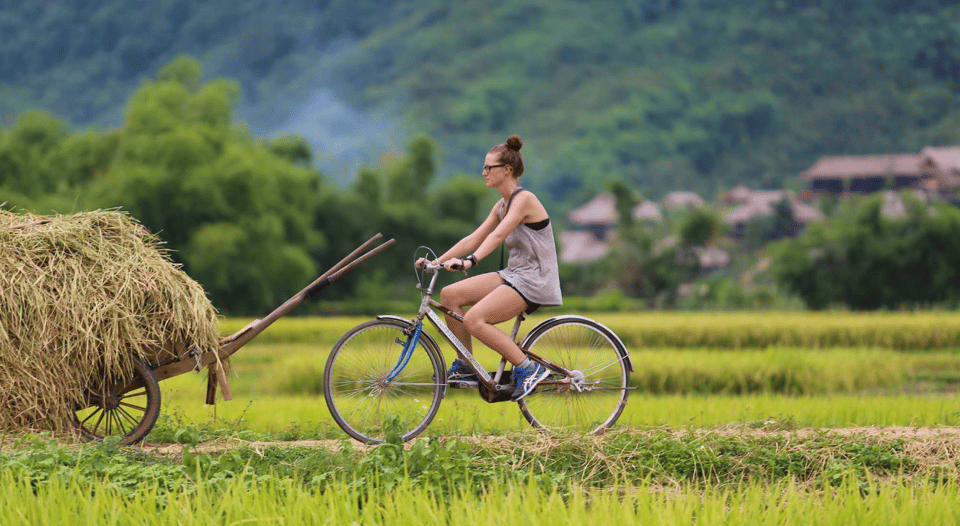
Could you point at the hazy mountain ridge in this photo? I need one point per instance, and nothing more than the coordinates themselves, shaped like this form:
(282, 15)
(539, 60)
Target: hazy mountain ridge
(666, 94)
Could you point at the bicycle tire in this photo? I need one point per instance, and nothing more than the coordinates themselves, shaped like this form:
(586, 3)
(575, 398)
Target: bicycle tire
(586, 348)
(357, 391)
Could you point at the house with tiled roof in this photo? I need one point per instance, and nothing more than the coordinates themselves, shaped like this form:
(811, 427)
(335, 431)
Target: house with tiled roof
(864, 173)
(597, 216)
(580, 246)
(763, 203)
(737, 194)
(681, 199)
(942, 167)
(598, 219)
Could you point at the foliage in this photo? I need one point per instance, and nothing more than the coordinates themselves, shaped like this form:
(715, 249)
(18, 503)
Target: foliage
(700, 227)
(456, 468)
(666, 94)
(651, 269)
(251, 220)
(216, 195)
(852, 497)
(866, 260)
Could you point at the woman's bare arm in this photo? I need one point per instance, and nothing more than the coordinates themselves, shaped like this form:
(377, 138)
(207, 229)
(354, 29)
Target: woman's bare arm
(470, 243)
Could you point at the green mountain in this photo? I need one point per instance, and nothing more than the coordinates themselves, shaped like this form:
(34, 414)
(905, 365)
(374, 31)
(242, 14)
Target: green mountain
(665, 94)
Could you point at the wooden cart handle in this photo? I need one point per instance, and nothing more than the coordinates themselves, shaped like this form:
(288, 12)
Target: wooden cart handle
(232, 344)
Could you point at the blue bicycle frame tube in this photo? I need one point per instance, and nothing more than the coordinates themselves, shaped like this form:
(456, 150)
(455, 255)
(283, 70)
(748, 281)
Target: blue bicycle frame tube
(407, 352)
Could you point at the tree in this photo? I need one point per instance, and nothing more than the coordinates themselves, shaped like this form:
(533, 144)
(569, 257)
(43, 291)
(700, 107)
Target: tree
(865, 260)
(700, 227)
(410, 175)
(626, 201)
(25, 154)
(238, 211)
(644, 267)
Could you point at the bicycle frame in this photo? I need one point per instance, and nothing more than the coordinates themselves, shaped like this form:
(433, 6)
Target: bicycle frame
(428, 306)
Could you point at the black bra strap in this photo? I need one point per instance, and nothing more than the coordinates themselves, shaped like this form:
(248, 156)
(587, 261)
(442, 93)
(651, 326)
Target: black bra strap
(503, 245)
(515, 192)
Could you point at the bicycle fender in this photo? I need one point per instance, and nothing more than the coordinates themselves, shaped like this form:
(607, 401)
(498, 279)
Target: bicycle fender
(616, 339)
(406, 321)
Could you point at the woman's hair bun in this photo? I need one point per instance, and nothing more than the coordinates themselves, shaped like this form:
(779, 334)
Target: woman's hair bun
(514, 143)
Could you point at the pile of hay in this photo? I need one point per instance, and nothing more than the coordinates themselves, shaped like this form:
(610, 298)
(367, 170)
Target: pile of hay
(80, 295)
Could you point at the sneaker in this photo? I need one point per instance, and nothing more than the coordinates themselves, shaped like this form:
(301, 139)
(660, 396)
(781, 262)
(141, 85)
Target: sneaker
(526, 379)
(459, 371)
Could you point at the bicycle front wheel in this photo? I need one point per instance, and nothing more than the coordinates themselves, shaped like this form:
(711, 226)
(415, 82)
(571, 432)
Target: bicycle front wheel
(591, 398)
(360, 392)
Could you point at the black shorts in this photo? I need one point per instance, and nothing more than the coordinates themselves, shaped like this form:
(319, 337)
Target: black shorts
(531, 306)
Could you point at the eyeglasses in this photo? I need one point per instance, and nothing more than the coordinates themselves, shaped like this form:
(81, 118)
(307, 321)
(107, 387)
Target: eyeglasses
(489, 167)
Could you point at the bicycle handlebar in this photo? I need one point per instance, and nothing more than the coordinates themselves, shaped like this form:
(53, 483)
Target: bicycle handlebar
(429, 267)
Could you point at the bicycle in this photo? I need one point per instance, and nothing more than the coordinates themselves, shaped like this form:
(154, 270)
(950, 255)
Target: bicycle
(390, 365)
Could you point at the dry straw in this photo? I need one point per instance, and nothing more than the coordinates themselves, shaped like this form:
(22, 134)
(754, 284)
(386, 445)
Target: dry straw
(80, 295)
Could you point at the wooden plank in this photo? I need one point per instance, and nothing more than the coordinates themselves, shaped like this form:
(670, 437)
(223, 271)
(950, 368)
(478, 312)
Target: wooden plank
(211, 387)
(222, 381)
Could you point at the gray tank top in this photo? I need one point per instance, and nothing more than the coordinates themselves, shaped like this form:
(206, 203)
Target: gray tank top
(532, 267)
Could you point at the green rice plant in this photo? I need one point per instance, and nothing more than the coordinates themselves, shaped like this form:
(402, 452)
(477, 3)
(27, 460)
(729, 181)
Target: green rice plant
(773, 370)
(296, 369)
(922, 330)
(465, 413)
(899, 501)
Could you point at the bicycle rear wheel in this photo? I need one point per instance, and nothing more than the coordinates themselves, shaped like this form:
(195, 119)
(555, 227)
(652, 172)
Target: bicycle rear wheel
(592, 398)
(360, 393)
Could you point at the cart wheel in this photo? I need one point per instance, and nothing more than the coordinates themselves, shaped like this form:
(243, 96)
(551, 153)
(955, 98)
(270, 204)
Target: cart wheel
(128, 411)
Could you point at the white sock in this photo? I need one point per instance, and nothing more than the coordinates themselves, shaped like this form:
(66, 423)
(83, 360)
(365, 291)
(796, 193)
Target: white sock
(527, 363)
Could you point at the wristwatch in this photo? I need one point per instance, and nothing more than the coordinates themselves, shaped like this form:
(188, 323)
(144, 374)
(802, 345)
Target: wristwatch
(472, 259)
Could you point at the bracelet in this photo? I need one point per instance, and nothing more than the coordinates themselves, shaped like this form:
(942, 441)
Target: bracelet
(472, 259)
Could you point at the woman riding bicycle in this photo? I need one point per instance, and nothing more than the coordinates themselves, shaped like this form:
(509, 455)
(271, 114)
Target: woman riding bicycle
(530, 280)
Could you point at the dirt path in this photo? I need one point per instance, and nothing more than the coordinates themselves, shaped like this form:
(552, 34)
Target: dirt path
(918, 438)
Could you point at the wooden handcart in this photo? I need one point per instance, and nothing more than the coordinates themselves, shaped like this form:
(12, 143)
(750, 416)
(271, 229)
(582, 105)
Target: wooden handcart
(129, 409)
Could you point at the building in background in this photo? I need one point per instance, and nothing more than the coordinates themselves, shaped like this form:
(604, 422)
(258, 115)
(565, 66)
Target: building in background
(763, 203)
(592, 227)
(935, 170)
(864, 173)
(681, 199)
(941, 168)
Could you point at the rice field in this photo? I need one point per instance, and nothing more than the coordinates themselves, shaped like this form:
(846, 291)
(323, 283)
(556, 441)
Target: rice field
(909, 331)
(731, 391)
(704, 370)
(466, 414)
(782, 504)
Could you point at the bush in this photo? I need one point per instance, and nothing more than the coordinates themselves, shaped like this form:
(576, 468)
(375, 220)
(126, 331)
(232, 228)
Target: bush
(864, 259)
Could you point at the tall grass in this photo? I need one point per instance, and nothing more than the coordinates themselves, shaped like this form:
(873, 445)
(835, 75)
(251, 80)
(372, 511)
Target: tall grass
(898, 501)
(298, 369)
(925, 330)
(738, 330)
(464, 413)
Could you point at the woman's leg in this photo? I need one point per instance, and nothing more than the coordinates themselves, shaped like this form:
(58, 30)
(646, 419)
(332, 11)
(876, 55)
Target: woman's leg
(496, 307)
(466, 292)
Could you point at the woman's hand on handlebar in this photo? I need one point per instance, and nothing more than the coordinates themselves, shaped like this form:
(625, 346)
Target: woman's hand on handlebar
(457, 264)
(452, 264)
(424, 263)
